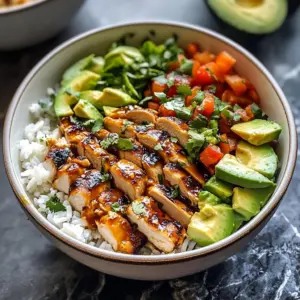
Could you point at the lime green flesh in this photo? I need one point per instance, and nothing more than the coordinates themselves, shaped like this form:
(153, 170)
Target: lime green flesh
(248, 202)
(93, 97)
(76, 68)
(219, 188)
(230, 170)
(253, 16)
(262, 159)
(84, 109)
(211, 224)
(257, 132)
(97, 65)
(115, 98)
(63, 101)
(238, 221)
(206, 197)
(108, 110)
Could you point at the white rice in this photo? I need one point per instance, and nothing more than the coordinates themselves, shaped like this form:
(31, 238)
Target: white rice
(37, 179)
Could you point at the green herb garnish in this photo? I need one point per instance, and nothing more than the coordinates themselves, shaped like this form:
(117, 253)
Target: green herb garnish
(161, 178)
(138, 208)
(158, 147)
(184, 90)
(116, 207)
(54, 204)
(124, 144)
(126, 123)
(194, 143)
(98, 124)
(200, 122)
(175, 192)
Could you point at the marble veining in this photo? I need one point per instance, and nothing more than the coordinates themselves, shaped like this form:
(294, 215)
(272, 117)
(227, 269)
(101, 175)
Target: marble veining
(268, 268)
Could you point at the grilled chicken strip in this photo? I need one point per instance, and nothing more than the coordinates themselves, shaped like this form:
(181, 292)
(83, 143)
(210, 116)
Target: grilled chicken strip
(136, 114)
(173, 207)
(129, 178)
(58, 154)
(165, 233)
(125, 128)
(188, 187)
(69, 172)
(86, 188)
(175, 128)
(169, 151)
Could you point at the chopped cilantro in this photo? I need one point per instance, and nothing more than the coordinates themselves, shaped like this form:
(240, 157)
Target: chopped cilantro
(105, 177)
(257, 111)
(236, 117)
(111, 140)
(161, 96)
(54, 204)
(186, 66)
(126, 123)
(227, 114)
(184, 90)
(236, 107)
(199, 97)
(174, 139)
(200, 122)
(158, 147)
(144, 101)
(138, 208)
(184, 113)
(213, 124)
(194, 143)
(124, 144)
(98, 124)
(116, 207)
(175, 192)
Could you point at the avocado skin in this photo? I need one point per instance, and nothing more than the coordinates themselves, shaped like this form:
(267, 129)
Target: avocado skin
(230, 170)
(63, 101)
(248, 202)
(243, 23)
(221, 189)
(262, 159)
(258, 132)
(211, 224)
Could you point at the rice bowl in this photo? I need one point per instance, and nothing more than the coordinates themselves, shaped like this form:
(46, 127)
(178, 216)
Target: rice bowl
(176, 258)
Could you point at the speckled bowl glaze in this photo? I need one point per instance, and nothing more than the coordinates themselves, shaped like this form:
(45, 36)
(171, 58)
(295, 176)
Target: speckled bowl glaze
(26, 25)
(48, 72)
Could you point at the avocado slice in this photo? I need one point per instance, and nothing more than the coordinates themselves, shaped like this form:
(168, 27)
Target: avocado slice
(221, 189)
(257, 132)
(248, 202)
(93, 96)
(115, 98)
(238, 222)
(206, 197)
(230, 170)
(76, 68)
(253, 16)
(67, 95)
(211, 224)
(108, 110)
(262, 159)
(84, 109)
(97, 65)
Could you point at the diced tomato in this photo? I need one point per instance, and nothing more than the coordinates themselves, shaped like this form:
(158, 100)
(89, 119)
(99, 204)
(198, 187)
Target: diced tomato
(188, 99)
(211, 155)
(227, 96)
(172, 91)
(147, 93)
(237, 83)
(158, 87)
(220, 88)
(224, 125)
(164, 112)
(203, 76)
(214, 69)
(225, 148)
(232, 99)
(153, 105)
(208, 106)
(227, 144)
(192, 49)
(178, 80)
(225, 62)
(173, 66)
(204, 57)
(253, 95)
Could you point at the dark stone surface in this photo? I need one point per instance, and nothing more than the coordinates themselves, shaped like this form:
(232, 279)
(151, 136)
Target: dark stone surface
(268, 268)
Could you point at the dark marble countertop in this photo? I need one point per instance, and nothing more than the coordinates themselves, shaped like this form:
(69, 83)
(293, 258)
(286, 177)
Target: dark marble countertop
(268, 268)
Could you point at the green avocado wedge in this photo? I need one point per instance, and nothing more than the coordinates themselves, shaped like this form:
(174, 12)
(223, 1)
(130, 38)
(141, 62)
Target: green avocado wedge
(262, 159)
(257, 132)
(252, 16)
(68, 95)
(97, 65)
(115, 98)
(206, 197)
(211, 224)
(230, 170)
(248, 202)
(108, 110)
(93, 96)
(221, 189)
(84, 109)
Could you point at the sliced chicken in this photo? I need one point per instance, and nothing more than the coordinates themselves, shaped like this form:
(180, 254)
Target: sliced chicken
(169, 151)
(153, 166)
(173, 207)
(87, 187)
(165, 233)
(113, 200)
(58, 154)
(69, 172)
(188, 187)
(118, 232)
(129, 178)
(175, 128)
(122, 127)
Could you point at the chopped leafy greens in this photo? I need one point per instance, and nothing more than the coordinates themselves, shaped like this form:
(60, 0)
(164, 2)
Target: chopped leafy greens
(98, 124)
(111, 140)
(161, 96)
(257, 111)
(116, 207)
(186, 66)
(200, 122)
(194, 143)
(184, 90)
(199, 97)
(125, 144)
(54, 204)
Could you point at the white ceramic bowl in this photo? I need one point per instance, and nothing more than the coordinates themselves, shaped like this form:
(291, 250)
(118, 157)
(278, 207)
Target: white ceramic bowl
(25, 25)
(48, 72)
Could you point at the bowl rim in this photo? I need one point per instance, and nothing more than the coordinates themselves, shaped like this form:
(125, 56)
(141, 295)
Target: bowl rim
(21, 7)
(163, 258)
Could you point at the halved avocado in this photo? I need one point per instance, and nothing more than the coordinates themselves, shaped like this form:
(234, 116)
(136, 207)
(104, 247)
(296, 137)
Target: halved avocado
(84, 109)
(257, 132)
(211, 224)
(230, 170)
(67, 94)
(252, 16)
(93, 96)
(76, 68)
(262, 159)
(108, 110)
(115, 98)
